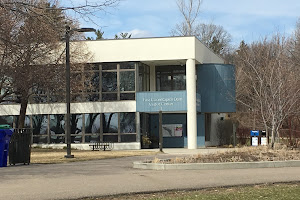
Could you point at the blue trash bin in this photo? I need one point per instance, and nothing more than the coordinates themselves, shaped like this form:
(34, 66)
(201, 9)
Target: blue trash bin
(5, 135)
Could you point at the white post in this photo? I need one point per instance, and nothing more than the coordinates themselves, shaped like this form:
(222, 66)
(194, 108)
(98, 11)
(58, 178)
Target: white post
(191, 104)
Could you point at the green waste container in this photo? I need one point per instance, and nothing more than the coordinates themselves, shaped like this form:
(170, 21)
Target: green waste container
(20, 147)
(5, 126)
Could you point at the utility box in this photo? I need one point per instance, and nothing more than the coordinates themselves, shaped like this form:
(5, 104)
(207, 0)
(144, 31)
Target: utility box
(263, 139)
(254, 137)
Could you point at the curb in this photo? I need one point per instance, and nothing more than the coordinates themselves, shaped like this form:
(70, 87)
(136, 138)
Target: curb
(216, 166)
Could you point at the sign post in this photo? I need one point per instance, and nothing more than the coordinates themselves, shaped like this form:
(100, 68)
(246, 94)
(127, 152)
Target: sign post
(160, 132)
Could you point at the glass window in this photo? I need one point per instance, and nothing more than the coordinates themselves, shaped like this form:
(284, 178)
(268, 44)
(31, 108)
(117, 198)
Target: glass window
(127, 65)
(39, 99)
(128, 138)
(92, 97)
(127, 96)
(110, 122)
(127, 123)
(40, 139)
(110, 138)
(170, 78)
(127, 81)
(109, 81)
(76, 139)
(26, 122)
(40, 124)
(91, 66)
(77, 97)
(144, 78)
(92, 123)
(109, 97)
(92, 138)
(57, 124)
(109, 66)
(56, 99)
(91, 82)
(57, 139)
(76, 124)
(7, 120)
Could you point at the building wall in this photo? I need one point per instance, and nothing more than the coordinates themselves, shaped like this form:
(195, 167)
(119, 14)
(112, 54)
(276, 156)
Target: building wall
(216, 85)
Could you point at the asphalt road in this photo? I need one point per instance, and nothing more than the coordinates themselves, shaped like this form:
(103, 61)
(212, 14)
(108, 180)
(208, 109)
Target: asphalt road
(116, 176)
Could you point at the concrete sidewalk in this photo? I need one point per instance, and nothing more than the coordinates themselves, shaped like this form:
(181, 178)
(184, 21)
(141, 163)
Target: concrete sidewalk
(116, 176)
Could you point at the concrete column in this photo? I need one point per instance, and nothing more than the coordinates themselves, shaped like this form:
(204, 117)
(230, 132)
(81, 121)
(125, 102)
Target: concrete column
(191, 104)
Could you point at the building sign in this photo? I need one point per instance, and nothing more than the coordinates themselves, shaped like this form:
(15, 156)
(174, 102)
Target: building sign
(161, 101)
(254, 133)
(172, 130)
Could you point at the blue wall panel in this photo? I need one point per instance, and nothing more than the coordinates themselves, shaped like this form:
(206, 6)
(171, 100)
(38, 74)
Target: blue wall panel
(201, 130)
(216, 84)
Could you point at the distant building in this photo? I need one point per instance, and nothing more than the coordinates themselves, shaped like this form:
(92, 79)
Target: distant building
(130, 81)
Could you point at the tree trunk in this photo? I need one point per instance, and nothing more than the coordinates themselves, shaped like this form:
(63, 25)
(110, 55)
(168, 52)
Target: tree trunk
(272, 137)
(24, 103)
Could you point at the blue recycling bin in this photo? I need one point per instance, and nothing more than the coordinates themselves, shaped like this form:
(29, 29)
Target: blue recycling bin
(5, 135)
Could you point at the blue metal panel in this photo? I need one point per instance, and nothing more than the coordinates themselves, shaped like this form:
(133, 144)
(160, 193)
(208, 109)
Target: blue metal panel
(200, 130)
(161, 101)
(216, 84)
(198, 102)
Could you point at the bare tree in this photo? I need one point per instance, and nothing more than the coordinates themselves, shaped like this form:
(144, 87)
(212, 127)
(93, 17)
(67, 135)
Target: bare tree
(123, 36)
(31, 48)
(267, 83)
(190, 10)
(213, 36)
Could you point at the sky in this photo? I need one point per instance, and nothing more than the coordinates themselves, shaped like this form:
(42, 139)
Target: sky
(248, 20)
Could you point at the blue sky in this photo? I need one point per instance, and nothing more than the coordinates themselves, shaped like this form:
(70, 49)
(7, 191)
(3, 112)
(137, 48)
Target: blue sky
(247, 20)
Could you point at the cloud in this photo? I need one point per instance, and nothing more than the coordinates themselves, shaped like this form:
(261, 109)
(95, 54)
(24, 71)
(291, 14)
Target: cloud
(137, 33)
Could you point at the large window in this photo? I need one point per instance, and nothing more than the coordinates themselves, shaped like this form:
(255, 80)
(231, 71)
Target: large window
(170, 78)
(144, 77)
(40, 128)
(85, 128)
(94, 82)
(57, 128)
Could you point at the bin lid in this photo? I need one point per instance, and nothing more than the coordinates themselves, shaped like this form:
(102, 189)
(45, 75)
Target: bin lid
(5, 126)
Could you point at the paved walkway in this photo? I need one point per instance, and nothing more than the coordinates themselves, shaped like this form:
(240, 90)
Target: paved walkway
(115, 176)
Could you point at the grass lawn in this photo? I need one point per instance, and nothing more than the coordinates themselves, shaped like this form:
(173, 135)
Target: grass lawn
(47, 156)
(272, 192)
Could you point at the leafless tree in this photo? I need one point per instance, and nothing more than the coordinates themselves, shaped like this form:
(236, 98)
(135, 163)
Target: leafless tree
(267, 83)
(31, 47)
(213, 36)
(190, 10)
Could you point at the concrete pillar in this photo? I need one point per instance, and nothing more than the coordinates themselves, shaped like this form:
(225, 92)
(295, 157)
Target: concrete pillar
(191, 104)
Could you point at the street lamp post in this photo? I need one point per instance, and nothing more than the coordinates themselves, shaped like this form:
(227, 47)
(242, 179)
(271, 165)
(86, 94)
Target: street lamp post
(68, 91)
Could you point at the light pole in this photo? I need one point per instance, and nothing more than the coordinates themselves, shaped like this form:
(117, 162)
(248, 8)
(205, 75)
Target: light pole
(68, 101)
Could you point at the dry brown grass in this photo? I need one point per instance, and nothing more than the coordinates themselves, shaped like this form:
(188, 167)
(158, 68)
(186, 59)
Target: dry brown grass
(51, 156)
(244, 154)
